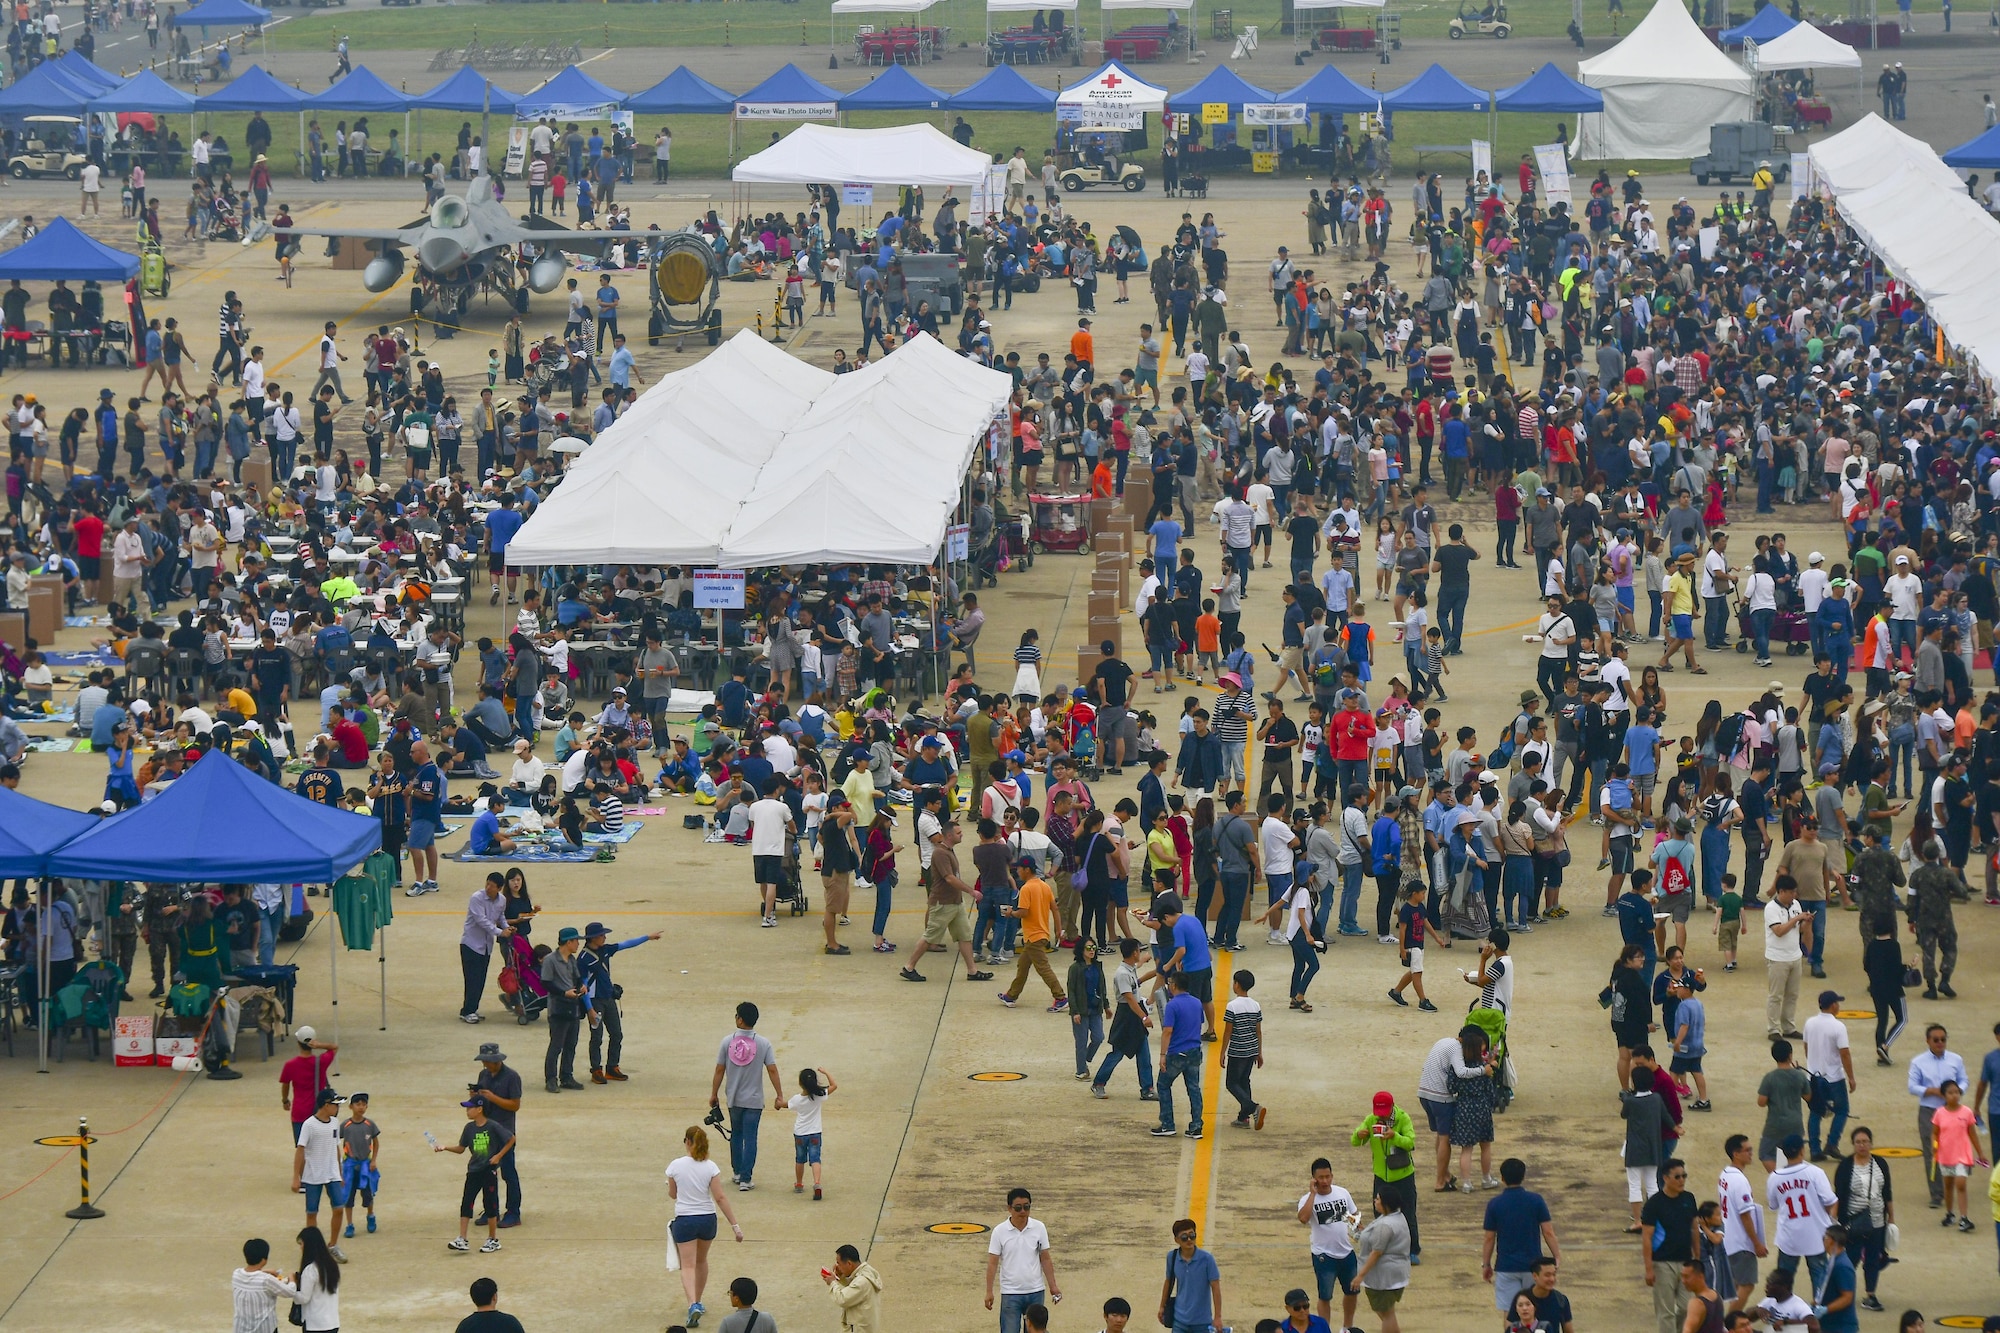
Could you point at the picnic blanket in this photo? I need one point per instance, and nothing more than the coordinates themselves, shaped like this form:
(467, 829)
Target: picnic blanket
(51, 713)
(96, 657)
(626, 833)
(689, 701)
(85, 622)
(51, 745)
(539, 853)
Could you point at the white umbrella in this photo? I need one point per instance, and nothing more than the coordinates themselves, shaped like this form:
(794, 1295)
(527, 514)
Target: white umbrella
(569, 444)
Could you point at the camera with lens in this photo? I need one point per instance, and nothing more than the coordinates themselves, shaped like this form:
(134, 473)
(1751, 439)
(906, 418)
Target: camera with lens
(716, 1120)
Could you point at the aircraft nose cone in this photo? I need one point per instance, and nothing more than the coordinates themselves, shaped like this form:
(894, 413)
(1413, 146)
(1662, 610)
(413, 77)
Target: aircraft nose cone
(441, 254)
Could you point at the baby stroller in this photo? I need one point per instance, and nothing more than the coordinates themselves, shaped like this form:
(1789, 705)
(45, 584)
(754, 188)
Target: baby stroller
(225, 224)
(521, 989)
(1493, 1022)
(791, 887)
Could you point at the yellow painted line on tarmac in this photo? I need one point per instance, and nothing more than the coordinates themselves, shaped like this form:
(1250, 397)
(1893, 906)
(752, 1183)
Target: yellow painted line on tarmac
(353, 315)
(1199, 1186)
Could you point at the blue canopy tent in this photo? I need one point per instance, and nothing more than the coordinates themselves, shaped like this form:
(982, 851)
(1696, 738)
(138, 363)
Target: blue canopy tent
(223, 824)
(894, 89)
(222, 14)
(255, 89)
(1221, 84)
(361, 90)
(1766, 23)
(84, 71)
(789, 94)
(1977, 154)
(46, 91)
(467, 90)
(1549, 91)
(30, 829)
(145, 92)
(1436, 89)
(1003, 89)
(570, 95)
(682, 93)
(1329, 92)
(59, 250)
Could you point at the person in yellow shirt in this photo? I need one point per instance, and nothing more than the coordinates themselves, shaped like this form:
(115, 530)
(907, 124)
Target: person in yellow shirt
(1680, 614)
(240, 702)
(1035, 910)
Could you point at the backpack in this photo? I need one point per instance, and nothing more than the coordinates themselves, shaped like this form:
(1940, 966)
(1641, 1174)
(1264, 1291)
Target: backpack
(1674, 876)
(1728, 733)
(1327, 665)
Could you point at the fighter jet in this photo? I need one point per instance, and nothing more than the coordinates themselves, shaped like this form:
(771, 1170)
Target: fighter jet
(465, 245)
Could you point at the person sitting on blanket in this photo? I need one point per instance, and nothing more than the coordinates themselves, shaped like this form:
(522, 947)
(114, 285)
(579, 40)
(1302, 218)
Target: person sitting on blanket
(488, 718)
(463, 753)
(607, 811)
(616, 717)
(487, 839)
(681, 770)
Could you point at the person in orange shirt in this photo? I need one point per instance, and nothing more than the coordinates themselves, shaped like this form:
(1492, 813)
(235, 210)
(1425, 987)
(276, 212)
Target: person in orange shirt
(1082, 346)
(1207, 639)
(1101, 480)
(1035, 911)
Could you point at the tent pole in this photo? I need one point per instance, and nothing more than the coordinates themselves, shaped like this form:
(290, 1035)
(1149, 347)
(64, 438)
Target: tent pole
(42, 979)
(333, 976)
(382, 957)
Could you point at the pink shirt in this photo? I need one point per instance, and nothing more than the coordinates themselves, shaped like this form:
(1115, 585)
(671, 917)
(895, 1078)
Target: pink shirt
(1954, 1132)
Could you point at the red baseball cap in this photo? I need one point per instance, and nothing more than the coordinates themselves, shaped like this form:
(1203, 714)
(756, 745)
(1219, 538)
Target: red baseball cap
(1384, 1103)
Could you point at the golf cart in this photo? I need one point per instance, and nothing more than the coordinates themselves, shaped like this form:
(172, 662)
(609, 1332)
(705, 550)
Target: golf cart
(1490, 21)
(48, 152)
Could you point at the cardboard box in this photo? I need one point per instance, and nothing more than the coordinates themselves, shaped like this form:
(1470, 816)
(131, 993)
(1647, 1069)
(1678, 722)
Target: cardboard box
(132, 1039)
(166, 1048)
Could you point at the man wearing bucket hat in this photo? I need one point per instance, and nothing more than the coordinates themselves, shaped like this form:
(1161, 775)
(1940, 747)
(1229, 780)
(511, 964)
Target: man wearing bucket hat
(500, 1088)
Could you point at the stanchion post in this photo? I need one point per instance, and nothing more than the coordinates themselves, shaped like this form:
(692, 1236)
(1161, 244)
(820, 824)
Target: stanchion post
(80, 1141)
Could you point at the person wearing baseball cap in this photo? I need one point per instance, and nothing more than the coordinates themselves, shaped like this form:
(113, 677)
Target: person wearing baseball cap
(562, 976)
(1391, 1140)
(316, 1164)
(594, 965)
(305, 1076)
(485, 1144)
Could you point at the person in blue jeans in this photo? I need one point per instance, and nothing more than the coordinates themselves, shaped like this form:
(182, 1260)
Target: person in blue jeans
(1127, 1035)
(1019, 1255)
(743, 1054)
(1180, 1057)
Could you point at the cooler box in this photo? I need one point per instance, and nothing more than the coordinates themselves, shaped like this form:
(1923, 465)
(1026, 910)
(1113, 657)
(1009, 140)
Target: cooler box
(132, 1040)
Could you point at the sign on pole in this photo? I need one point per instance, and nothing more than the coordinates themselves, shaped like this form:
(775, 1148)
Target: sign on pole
(1553, 165)
(1215, 113)
(719, 589)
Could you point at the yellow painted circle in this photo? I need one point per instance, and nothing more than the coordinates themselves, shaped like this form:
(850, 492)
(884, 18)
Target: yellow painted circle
(66, 1141)
(956, 1228)
(1962, 1321)
(1854, 1015)
(682, 275)
(997, 1076)
(1898, 1152)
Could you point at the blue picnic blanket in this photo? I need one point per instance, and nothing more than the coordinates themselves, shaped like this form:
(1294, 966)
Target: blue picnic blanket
(624, 834)
(96, 657)
(536, 853)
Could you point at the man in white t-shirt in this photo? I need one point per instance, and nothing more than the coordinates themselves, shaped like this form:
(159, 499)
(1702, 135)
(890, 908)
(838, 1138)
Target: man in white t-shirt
(1813, 584)
(1831, 1067)
(1742, 1219)
(1558, 632)
(1799, 1193)
(1326, 1209)
(1277, 843)
(1616, 676)
(90, 176)
(771, 828)
(330, 357)
(1716, 582)
(1906, 595)
(316, 1163)
(1260, 497)
(1785, 927)
(1020, 1257)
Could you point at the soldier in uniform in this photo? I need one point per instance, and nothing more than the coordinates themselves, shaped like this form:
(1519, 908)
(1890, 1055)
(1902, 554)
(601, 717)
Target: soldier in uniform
(1874, 878)
(122, 906)
(1932, 885)
(160, 915)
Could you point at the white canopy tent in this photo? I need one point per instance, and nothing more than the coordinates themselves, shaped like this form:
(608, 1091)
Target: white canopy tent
(1805, 47)
(1913, 212)
(664, 481)
(918, 154)
(1114, 98)
(874, 470)
(1025, 7)
(1106, 6)
(842, 8)
(1870, 151)
(1663, 86)
(864, 466)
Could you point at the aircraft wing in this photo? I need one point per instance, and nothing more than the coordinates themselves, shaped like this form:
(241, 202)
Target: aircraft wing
(398, 235)
(555, 238)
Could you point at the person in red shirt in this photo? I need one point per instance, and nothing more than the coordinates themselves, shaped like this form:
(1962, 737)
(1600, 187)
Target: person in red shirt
(1527, 174)
(303, 1076)
(350, 742)
(1353, 733)
(89, 530)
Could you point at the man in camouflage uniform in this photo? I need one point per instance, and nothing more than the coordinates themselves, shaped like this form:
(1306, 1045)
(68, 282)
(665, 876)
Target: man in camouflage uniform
(160, 914)
(1873, 880)
(1931, 887)
(122, 907)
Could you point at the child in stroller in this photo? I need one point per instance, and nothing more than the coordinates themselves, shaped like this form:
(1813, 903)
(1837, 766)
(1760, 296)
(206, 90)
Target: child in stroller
(224, 219)
(521, 989)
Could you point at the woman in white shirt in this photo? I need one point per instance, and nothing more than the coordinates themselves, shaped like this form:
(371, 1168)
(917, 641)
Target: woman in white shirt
(692, 1182)
(1292, 918)
(318, 1283)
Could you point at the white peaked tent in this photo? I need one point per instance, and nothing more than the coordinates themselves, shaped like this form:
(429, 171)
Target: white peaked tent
(1113, 98)
(918, 154)
(873, 471)
(662, 484)
(1803, 46)
(1872, 151)
(1663, 86)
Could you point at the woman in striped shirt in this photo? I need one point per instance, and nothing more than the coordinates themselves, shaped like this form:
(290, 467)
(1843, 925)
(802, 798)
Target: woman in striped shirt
(1028, 667)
